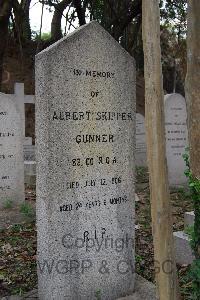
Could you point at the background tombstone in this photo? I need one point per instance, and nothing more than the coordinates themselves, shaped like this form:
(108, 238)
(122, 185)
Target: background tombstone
(29, 149)
(85, 128)
(29, 152)
(29, 163)
(18, 98)
(176, 137)
(30, 173)
(141, 148)
(27, 140)
(11, 152)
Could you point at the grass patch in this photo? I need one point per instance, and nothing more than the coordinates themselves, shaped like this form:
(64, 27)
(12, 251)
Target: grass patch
(8, 204)
(27, 210)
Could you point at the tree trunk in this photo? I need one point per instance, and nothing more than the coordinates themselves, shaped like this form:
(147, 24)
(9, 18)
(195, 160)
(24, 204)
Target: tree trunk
(166, 277)
(25, 4)
(193, 105)
(193, 84)
(56, 32)
(80, 12)
(5, 12)
(117, 15)
(22, 22)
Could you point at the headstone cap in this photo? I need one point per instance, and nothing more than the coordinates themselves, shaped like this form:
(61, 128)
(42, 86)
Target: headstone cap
(76, 34)
(170, 96)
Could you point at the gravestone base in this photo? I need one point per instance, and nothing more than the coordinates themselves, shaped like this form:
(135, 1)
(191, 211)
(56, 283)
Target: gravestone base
(144, 290)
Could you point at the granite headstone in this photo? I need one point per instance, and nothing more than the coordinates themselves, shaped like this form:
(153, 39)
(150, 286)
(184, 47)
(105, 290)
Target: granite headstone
(29, 149)
(29, 152)
(176, 137)
(141, 149)
(11, 152)
(27, 141)
(85, 140)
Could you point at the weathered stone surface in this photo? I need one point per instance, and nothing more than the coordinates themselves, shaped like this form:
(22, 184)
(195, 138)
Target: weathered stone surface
(144, 290)
(176, 138)
(184, 255)
(29, 152)
(85, 128)
(27, 141)
(18, 98)
(29, 149)
(141, 148)
(136, 198)
(11, 152)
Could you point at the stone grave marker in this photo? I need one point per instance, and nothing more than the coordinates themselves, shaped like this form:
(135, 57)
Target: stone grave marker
(29, 163)
(29, 152)
(141, 149)
(30, 173)
(27, 140)
(18, 98)
(176, 137)
(11, 152)
(85, 140)
(29, 149)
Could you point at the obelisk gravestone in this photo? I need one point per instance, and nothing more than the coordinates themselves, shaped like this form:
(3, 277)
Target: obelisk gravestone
(85, 140)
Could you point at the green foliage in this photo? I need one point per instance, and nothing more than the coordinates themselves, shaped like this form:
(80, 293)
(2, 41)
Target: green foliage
(141, 170)
(190, 231)
(173, 14)
(45, 36)
(16, 228)
(8, 204)
(27, 210)
(96, 9)
(138, 258)
(194, 185)
(98, 295)
(18, 291)
(142, 174)
(194, 276)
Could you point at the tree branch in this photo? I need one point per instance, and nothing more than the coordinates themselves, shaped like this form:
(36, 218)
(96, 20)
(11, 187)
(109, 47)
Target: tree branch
(80, 12)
